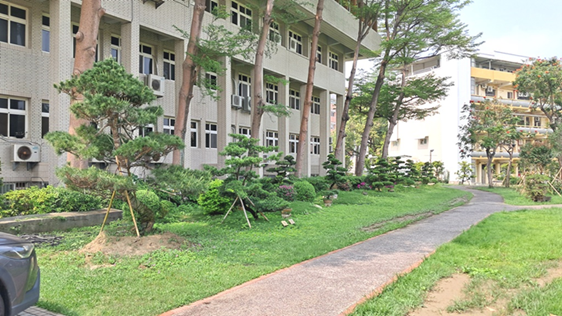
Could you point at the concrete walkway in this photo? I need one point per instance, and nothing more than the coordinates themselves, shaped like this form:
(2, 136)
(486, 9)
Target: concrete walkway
(36, 311)
(334, 283)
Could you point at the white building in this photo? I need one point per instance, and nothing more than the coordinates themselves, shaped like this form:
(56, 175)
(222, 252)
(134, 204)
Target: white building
(36, 51)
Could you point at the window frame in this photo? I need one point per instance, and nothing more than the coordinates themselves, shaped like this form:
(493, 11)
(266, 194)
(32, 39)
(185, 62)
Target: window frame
(143, 55)
(168, 125)
(271, 93)
(9, 112)
(315, 105)
(116, 48)
(169, 64)
(211, 135)
(333, 60)
(210, 5)
(294, 99)
(244, 80)
(271, 138)
(239, 12)
(246, 131)
(211, 81)
(9, 18)
(293, 143)
(297, 39)
(315, 145)
(45, 29)
(194, 134)
(274, 33)
(319, 54)
(44, 114)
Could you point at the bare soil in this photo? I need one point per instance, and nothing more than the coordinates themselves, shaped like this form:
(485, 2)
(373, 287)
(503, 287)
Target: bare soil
(134, 246)
(453, 288)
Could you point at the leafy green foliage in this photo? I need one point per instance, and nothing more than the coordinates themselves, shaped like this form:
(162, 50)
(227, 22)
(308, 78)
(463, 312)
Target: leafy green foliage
(286, 192)
(319, 183)
(212, 201)
(536, 187)
(381, 175)
(180, 183)
(536, 157)
(335, 175)
(148, 208)
(305, 191)
(285, 169)
(428, 173)
(465, 172)
(34, 200)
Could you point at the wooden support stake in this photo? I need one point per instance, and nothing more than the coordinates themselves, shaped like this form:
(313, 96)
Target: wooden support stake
(262, 214)
(132, 214)
(230, 209)
(245, 214)
(107, 213)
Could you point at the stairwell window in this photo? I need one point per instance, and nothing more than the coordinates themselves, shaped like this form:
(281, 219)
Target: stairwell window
(294, 99)
(271, 93)
(116, 48)
(293, 143)
(211, 81)
(295, 42)
(246, 131)
(241, 15)
(145, 59)
(211, 135)
(274, 33)
(333, 60)
(210, 5)
(319, 54)
(44, 118)
(169, 65)
(315, 145)
(315, 106)
(169, 125)
(45, 33)
(13, 24)
(12, 117)
(271, 138)
(194, 133)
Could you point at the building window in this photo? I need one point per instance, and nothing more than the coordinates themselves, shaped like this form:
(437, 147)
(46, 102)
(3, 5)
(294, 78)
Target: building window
(210, 5)
(537, 121)
(116, 48)
(294, 99)
(169, 125)
(244, 84)
(146, 130)
(295, 42)
(246, 131)
(169, 65)
(315, 145)
(210, 81)
(211, 135)
(510, 95)
(274, 33)
(333, 60)
(293, 143)
(45, 34)
(395, 143)
(331, 142)
(271, 138)
(145, 59)
(271, 93)
(194, 133)
(423, 141)
(315, 106)
(13, 22)
(319, 54)
(12, 117)
(44, 118)
(241, 15)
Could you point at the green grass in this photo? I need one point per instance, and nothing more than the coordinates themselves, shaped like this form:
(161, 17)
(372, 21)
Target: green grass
(513, 197)
(228, 254)
(505, 252)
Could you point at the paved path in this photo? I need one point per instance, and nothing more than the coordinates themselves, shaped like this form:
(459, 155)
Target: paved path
(36, 311)
(336, 282)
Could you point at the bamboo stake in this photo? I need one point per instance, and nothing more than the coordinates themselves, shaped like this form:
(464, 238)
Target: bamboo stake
(107, 213)
(245, 214)
(132, 214)
(554, 188)
(230, 209)
(262, 214)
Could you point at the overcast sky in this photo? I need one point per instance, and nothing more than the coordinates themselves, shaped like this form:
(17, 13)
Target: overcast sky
(530, 28)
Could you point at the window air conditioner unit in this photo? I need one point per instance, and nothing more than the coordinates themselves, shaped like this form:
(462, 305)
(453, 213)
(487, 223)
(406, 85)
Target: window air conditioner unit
(237, 101)
(26, 153)
(156, 83)
(490, 89)
(247, 104)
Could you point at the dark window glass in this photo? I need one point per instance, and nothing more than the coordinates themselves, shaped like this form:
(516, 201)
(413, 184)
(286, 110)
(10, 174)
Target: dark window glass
(45, 107)
(4, 9)
(3, 103)
(46, 35)
(17, 104)
(74, 29)
(44, 126)
(147, 49)
(17, 33)
(3, 31)
(234, 18)
(46, 21)
(115, 41)
(17, 12)
(166, 55)
(4, 124)
(17, 125)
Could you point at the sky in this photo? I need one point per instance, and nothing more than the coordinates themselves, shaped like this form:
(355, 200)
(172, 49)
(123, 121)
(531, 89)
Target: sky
(523, 27)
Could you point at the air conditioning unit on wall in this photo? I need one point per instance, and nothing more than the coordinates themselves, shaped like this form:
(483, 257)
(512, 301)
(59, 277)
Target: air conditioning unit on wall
(237, 101)
(247, 104)
(26, 153)
(156, 83)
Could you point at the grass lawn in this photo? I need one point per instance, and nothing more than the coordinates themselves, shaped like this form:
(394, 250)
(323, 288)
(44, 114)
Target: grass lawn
(504, 255)
(513, 197)
(228, 254)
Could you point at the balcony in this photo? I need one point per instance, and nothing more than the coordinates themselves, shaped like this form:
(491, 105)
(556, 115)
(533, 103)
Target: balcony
(496, 77)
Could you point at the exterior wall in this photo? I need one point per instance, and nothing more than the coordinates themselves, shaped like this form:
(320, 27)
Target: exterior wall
(29, 73)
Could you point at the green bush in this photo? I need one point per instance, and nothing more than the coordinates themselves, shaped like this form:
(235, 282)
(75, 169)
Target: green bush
(319, 183)
(286, 192)
(305, 191)
(48, 200)
(536, 187)
(178, 214)
(212, 201)
(148, 208)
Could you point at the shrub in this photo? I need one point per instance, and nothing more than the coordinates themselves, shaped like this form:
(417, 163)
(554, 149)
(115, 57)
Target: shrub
(34, 200)
(536, 186)
(286, 192)
(264, 201)
(148, 207)
(212, 201)
(319, 183)
(355, 181)
(304, 191)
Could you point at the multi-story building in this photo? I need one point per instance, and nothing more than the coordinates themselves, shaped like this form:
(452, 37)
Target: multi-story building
(37, 50)
(488, 75)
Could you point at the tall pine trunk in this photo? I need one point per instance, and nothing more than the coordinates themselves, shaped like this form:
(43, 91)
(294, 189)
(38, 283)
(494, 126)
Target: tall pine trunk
(394, 119)
(258, 102)
(189, 78)
(85, 55)
(301, 149)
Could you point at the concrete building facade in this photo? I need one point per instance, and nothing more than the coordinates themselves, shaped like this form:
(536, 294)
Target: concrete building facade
(487, 76)
(37, 50)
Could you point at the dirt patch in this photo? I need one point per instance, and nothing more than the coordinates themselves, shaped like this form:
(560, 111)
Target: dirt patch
(453, 289)
(134, 246)
(400, 219)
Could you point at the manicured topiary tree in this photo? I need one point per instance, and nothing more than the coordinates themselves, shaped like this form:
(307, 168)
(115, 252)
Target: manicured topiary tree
(285, 169)
(335, 174)
(428, 173)
(413, 172)
(381, 175)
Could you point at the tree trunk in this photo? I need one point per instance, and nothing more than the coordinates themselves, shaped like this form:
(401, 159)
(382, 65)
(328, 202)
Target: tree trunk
(508, 172)
(338, 150)
(489, 169)
(370, 117)
(189, 77)
(301, 149)
(258, 102)
(394, 120)
(85, 55)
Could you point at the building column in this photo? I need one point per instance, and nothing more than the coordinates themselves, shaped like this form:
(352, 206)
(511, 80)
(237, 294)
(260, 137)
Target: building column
(130, 41)
(478, 173)
(339, 113)
(305, 172)
(61, 64)
(325, 114)
(283, 121)
(224, 111)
